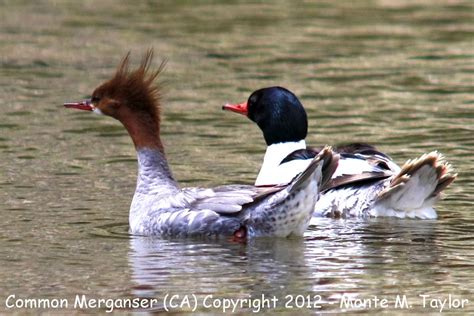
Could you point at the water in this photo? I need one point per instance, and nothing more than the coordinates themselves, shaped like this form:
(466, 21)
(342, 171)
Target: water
(392, 73)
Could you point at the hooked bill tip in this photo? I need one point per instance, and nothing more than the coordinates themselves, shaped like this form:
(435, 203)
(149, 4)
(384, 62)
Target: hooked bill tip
(83, 105)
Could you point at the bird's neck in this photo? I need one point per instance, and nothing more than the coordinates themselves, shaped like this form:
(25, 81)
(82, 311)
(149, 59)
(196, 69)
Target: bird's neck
(155, 184)
(154, 174)
(274, 154)
(143, 128)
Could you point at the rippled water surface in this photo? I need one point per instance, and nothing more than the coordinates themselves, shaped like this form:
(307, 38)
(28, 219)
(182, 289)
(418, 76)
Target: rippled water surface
(398, 74)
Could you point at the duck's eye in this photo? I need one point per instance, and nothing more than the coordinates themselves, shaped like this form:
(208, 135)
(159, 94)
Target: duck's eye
(95, 99)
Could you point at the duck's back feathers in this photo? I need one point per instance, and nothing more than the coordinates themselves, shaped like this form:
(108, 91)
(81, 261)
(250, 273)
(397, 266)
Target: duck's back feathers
(354, 168)
(300, 154)
(355, 179)
(229, 199)
(410, 193)
(343, 149)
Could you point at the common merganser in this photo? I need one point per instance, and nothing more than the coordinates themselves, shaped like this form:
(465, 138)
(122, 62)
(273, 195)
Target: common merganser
(160, 208)
(367, 181)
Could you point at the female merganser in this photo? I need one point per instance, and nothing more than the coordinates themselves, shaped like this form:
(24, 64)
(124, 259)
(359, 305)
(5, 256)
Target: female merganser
(159, 207)
(366, 183)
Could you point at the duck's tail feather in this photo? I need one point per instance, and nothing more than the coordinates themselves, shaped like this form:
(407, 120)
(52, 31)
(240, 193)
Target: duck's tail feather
(415, 189)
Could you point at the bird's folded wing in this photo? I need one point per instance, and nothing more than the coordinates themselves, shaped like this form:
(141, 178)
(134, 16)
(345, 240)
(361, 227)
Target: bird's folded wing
(229, 199)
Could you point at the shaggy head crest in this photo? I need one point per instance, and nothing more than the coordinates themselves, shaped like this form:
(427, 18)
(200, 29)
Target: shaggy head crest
(135, 89)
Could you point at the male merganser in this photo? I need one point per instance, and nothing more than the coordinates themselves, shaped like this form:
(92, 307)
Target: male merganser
(159, 207)
(366, 183)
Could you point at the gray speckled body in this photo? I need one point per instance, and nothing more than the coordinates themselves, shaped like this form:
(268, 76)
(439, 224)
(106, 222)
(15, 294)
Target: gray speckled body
(161, 208)
(285, 213)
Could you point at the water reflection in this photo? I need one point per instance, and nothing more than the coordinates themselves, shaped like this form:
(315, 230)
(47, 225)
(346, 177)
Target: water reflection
(336, 259)
(222, 269)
